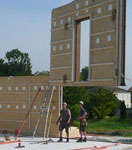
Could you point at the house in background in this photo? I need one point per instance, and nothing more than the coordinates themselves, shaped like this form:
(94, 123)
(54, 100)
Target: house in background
(123, 95)
(130, 90)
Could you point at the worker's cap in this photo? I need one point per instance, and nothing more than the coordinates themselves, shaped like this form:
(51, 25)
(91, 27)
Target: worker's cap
(81, 102)
(65, 103)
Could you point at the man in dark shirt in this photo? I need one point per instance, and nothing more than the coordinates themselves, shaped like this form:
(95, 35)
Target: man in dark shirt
(64, 119)
(83, 123)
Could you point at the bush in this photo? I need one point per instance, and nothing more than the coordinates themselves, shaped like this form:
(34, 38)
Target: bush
(123, 112)
(76, 123)
(74, 112)
(102, 103)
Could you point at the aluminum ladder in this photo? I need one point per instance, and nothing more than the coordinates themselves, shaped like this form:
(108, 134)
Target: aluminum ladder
(48, 119)
(43, 107)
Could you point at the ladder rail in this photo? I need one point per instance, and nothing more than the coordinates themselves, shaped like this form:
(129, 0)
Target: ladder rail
(46, 122)
(42, 109)
(48, 130)
(49, 120)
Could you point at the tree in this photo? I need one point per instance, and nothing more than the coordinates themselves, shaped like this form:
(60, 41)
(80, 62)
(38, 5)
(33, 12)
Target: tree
(16, 63)
(2, 68)
(102, 103)
(99, 103)
(42, 73)
(123, 112)
(84, 74)
(72, 95)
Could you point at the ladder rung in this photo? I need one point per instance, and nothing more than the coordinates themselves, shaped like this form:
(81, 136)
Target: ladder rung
(48, 94)
(44, 107)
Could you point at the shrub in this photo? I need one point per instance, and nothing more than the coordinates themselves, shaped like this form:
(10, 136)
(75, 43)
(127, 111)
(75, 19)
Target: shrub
(123, 112)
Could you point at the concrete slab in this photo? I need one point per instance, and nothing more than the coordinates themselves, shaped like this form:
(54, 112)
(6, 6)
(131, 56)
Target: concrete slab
(111, 139)
(33, 144)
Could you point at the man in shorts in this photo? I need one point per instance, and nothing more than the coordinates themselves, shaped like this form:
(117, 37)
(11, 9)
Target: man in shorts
(64, 119)
(83, 123)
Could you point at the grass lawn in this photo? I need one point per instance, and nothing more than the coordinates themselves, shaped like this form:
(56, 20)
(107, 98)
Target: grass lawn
(110, 126)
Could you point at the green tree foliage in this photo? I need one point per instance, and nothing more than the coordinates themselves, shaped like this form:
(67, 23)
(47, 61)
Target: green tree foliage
(102, 103)
(15, 63)
(3, 68)
(84, 74)
(72, 95)
(123, 112)
(75, 112)
(98, 104)
(42, 73)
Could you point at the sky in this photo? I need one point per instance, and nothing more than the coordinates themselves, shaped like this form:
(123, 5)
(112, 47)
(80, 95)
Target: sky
(26, 24)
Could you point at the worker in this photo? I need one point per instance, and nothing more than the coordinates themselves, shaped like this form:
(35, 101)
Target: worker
(83, 123)
(64, 119)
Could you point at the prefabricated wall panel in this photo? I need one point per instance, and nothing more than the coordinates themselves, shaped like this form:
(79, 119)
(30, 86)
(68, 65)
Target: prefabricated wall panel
(107, 42)
(16, 96)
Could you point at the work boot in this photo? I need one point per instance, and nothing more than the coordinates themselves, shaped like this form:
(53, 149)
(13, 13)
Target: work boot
(85, 139)
(60, 140)
(80, 140)
(67, 140)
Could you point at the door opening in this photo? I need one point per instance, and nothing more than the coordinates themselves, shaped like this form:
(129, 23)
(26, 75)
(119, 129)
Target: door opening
(82, 38)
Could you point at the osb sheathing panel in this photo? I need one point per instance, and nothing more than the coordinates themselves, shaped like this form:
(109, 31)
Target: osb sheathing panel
(103, 40)
(106, 70)
(59, 34)
(34, 117)
(10, 116)
(65, 49)
(12, 102)
(12, 126)
(24, 79)
(71, 8)
(104, 7)
(100, 82)
(13, 97)
(41, 128)
(101, 26)
(57, 74)
(103, 56)
(60, 61)
(105, 24)
(13, 106)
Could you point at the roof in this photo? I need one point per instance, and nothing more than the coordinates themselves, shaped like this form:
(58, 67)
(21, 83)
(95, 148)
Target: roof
(130, 90)
(120, 90)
